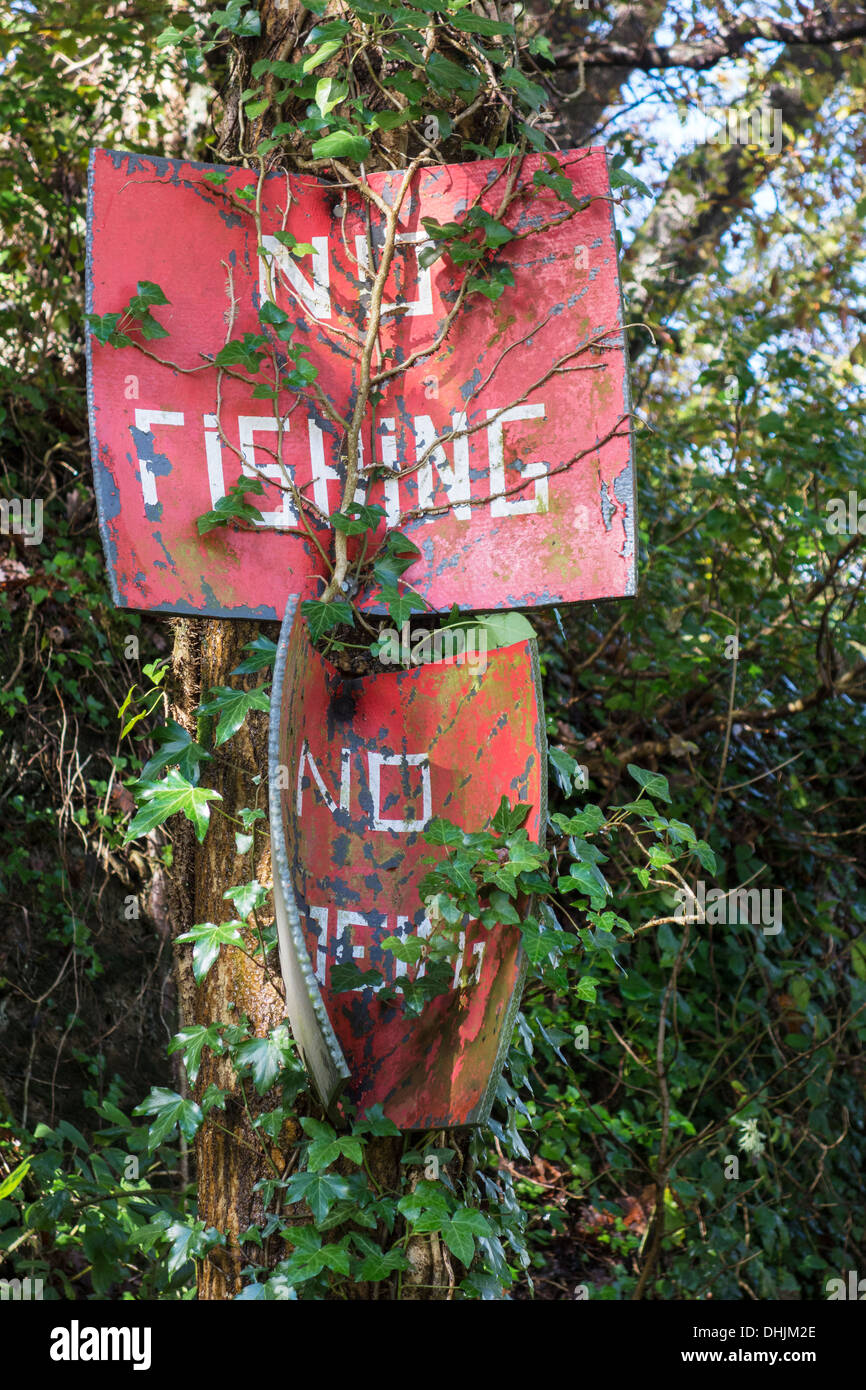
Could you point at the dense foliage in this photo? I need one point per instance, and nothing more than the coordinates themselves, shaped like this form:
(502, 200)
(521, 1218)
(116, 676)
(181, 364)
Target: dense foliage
(682, 1115)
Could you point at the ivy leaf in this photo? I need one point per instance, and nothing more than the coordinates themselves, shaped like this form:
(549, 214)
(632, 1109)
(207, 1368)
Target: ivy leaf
(232, 506)
(243, 352)
(177, 747)
(447, 77)
(442, 832)
(246, 24)
(621, 178)
(341, 144)
(706, 856)
(233, 706)
(207, 938)
(375, 1122)
(357, 518)
(276, 318)
(322, 54)
(319, 1190)
(586, 878)
(166, 798)
(147, 294)
(506, 820)
(246, 897)
(653, 783)
(562, 186)
(539, 943)
(262, 653)
(492, 287)
(266, 1057)
(104, 330)
(330, 91)
(501, 912)
(395, 555)
(322, 617)
(401, 606)
(172, 1113)
(459, 1239)
(297, 248)
(479, 24)
(377, 1263)
(192, 1042)
(408, 949)
(346, 976)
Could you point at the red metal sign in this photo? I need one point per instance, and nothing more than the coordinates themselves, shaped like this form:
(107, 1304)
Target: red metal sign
(356, 773)
(504, 451)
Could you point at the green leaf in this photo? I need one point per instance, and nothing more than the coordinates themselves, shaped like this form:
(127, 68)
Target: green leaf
(375, 1122)
(459, 1240)
(539, 943)
(408, 949)
(395, 555)
(207, 938)
(330, 91)
(322, 617)
(563, 188)
(192, 1041)
(318, 1190)
(172, 1113)
(479, 24)
(621, 178)
(492, 286)
(233, 706)
(653, 783)
(243, 352)
(377, 1263)
(401, 605)
(262, 653)
(706, 856)
(275, 317)
(266, 1057)
(246, 897)
(147, 293)
(447, 77)
(342, 144)
(346, 976)
(357, 518)
(176, 747)
(172, 795)
(232, 506)
(505, 629)
(442, 832)
(529, 92)
(508, 819)
(327, 50)
(15, 1178)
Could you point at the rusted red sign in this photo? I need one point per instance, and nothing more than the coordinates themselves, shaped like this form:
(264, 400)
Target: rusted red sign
(503, 451)
(357, 771)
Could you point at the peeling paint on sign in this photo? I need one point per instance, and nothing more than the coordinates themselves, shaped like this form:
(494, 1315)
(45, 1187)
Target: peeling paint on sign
(533, 506)
(356, 772)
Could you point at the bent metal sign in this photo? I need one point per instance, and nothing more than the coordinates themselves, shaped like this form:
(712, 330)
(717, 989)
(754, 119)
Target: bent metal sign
(504, 452)
(502, 449)
(367, 767)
